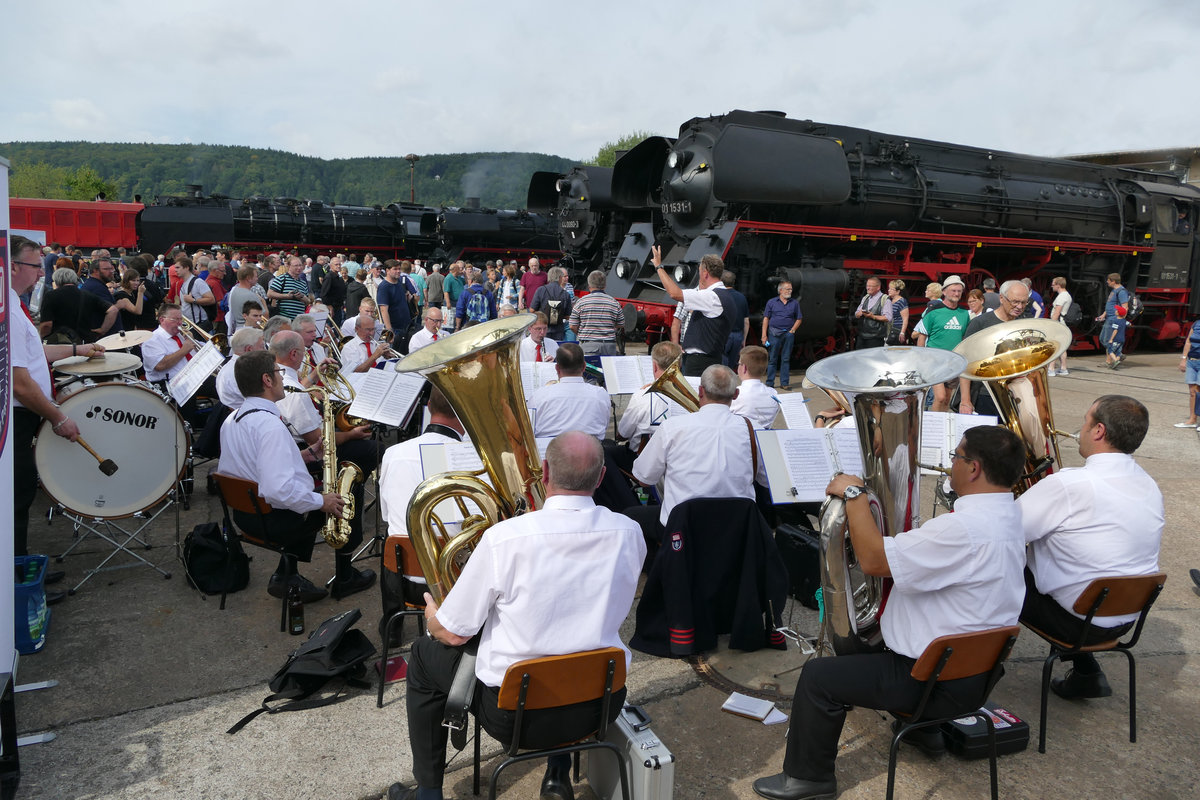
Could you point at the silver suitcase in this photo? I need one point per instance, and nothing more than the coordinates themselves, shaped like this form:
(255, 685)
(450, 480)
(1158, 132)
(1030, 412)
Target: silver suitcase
(650, 765)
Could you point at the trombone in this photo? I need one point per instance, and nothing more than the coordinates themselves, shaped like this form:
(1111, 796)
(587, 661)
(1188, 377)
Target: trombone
(219, 339)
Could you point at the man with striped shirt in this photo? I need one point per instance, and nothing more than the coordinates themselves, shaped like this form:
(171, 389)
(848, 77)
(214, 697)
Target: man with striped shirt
(290, 289)
(596, 318)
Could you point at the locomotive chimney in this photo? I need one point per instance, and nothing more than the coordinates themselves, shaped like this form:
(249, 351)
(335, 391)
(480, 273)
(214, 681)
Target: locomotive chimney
(472, 202)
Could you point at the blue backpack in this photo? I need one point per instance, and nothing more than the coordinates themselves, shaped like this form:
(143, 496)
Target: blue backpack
(477, 307)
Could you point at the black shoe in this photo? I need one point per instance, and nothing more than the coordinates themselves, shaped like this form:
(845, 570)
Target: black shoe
(556, 784)
(1076, 686)
(1195, 573)
(54, 577)
(785, 787)
(363, 579)
(55, 597)
(308, 592)
(397, 791)
(928, 740)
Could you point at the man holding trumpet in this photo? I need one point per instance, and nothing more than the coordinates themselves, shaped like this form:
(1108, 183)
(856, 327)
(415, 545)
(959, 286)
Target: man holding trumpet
(360, 354)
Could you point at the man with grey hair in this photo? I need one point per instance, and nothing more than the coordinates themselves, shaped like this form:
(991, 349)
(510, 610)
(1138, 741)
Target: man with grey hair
(1014, 297)
(710, 311)
(711, 453)
(244, 340)
(531, 281)
(514, 590)
(990, 298)
(554, 301)
(596, 318)
(273, 326)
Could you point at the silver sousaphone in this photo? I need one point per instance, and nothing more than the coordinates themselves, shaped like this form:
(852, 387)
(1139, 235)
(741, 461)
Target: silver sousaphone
(885, 386)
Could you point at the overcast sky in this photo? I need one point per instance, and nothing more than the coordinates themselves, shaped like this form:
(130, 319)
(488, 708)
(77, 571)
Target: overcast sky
(344, 79)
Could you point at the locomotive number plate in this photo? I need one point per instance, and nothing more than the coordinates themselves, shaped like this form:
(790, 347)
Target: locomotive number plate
(677, 207)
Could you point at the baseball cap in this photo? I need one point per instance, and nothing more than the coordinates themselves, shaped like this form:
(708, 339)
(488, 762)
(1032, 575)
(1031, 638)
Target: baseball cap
(953, 280)
(1120, 311)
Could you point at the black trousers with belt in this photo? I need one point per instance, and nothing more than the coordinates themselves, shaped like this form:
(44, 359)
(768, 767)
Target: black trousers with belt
(1044, 613)
(876, 680)
(431, 669)
(25, 478)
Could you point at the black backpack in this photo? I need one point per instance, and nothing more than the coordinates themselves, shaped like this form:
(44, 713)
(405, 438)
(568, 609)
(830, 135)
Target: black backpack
(1134, 308)
(335, 655)
(1073, 315)
(214, 560)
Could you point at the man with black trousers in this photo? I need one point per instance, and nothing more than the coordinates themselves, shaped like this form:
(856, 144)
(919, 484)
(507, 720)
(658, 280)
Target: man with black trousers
(957, 573)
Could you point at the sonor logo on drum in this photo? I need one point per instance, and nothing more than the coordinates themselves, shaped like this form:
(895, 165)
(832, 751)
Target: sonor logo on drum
(123, 417)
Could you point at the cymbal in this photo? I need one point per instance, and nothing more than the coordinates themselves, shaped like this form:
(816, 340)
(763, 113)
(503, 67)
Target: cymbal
(124, 339)
(108, 364)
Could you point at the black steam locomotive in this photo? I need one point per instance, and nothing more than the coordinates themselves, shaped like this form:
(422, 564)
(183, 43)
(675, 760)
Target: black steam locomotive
(828, 206)
(398, 230)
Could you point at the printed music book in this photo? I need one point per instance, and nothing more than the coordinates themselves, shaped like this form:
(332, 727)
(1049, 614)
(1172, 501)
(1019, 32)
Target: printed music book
(753, 708)
(536, 374)
(628, 374)
(795, 412)
(187, 381)
(382, 395)
(941, 431)
(800, 463)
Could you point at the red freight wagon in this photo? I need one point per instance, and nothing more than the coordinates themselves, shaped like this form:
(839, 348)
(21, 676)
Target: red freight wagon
(86, 225)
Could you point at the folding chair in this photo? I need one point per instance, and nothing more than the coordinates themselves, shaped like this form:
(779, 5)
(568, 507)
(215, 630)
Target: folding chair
(242, 495)
(399, 558)
(948, 658)
(1104, 597)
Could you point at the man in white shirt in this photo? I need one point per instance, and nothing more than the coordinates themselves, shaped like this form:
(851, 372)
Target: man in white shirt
(256, 446)
(756, 401)
(246, 340)
(537, 346)
(516, 590)
(711, 453)
(366, 309)
(362, 353)
(431, 330)
(646, 409)
(572, 403)
(957, 573)
(167, 351)
(314, 351)
(710, 310)
(1102, 519)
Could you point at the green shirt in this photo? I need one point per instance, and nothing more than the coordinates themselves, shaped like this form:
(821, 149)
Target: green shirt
(453, 287)
(945, 326)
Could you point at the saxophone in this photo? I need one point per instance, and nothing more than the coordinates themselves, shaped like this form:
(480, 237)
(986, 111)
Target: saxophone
(339, 478)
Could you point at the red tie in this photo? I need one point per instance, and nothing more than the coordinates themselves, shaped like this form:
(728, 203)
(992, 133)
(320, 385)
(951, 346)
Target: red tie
(537, 353)
(25, 308)
(312, 362)
(179, 342)
(435, 336)
(368, 351)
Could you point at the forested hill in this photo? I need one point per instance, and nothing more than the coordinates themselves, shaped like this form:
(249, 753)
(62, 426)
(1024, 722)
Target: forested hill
(64, 169)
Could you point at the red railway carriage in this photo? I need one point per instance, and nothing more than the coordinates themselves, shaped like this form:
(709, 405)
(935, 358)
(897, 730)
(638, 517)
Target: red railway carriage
(87, 225)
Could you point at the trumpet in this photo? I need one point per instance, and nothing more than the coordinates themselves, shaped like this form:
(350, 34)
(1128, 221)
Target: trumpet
(218, 339)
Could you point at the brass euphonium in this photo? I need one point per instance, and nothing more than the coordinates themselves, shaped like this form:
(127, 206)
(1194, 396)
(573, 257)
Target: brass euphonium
(673, 385)
(1010, 360)
(886, 386)
(478, 370)
(337, 477)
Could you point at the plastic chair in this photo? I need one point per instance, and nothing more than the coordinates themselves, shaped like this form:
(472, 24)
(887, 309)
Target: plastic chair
(242, 495)
(948, 658)
(554, 681)
(1104, 597)
(400, 558)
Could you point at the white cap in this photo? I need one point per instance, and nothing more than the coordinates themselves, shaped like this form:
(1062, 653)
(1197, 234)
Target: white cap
(953, 280)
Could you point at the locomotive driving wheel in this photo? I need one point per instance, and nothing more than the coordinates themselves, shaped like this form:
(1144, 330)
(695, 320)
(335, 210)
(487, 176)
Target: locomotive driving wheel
(816, 349)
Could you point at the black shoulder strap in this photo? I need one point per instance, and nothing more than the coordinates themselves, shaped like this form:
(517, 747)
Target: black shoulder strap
(245, 414)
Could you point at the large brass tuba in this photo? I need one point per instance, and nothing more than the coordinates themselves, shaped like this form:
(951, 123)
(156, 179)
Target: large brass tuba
(478, 370)
(1010, 359)
(673, 385)
(886, 387)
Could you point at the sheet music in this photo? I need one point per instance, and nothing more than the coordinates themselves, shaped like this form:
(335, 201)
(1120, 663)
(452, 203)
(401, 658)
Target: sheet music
(536, 374)
(941, 431)
(795, 412)
(626, 374)
(320, 317)
(799, 464)
(385, 396)
(185, 383)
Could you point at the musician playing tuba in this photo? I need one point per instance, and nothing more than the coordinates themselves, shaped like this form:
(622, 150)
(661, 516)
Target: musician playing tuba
(354, 445)
(957, 573)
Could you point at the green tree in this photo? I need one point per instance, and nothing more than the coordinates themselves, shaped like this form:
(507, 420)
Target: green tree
(86, 184)
(608, 153)
(39, 180)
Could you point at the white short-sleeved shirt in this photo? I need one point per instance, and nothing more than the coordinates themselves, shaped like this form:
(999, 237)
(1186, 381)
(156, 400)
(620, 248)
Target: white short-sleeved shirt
(704, 300)
(1062, 301)
(400, 473)
(572, 404)
(559, 580)
(705, 454)
(529, 349)
(258, 447)
(645, 412)
(756, 402)
(355, 353)
(27, 350)
(160, 345)
(197, 288)
(297, 407)
(348, 328)
(957, 573)
(1104, 518)
(227, 388)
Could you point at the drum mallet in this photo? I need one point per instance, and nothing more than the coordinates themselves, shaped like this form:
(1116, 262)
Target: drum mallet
(107, 465)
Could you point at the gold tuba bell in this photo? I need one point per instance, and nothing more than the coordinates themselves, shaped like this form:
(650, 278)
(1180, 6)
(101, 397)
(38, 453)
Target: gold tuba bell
(673, 385)
(478, 370)
(1010, 360)
(886, 387)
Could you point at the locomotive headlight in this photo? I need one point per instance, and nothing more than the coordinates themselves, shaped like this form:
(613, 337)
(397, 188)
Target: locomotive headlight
(678, 160)
(682, 273)
(562, 186)
(622, 269)
(673, 160)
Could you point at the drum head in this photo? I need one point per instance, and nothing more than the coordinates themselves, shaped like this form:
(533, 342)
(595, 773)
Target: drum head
(127, 423)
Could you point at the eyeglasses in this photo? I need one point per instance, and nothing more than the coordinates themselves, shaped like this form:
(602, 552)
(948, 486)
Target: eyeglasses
(27, 264)
(1012, 302)
(956, 455)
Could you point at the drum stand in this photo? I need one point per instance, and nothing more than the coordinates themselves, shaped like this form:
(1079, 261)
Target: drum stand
(117, 536)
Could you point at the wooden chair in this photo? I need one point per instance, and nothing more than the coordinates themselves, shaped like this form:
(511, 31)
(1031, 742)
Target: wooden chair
(1104, 597)
(400, 558)
(242, 495)
(555, 681)
(948, 658)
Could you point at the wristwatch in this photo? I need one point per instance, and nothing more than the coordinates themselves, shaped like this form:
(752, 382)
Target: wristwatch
(853, 491)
